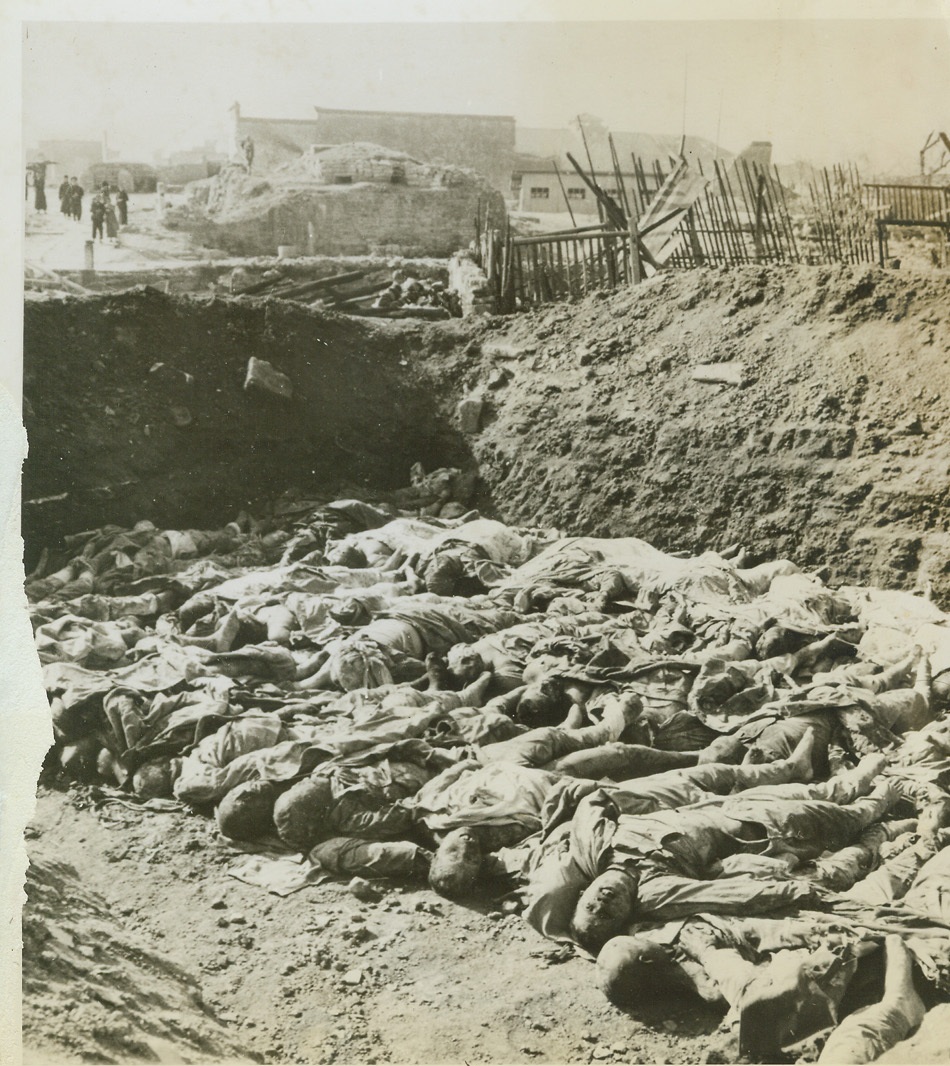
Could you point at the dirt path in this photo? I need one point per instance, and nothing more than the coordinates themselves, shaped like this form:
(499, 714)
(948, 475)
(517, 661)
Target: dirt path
(314, 977)
(58, 243)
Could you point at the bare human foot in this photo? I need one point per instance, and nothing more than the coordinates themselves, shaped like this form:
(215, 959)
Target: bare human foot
(622, 710)
(801, 758)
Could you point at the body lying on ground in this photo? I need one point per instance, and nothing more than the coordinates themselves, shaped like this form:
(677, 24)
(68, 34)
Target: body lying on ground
(779, 748)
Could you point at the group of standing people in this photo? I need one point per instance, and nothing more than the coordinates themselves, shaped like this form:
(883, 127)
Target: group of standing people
(106, 216)
(103, 212)
(70, 198)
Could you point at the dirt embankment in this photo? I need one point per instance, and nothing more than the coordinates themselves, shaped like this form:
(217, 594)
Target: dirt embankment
(832, 451)
(98, 991)
(135, 407)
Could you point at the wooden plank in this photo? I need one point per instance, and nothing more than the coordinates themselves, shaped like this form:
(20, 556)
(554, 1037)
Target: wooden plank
(536, 273)
(740, 236)
(769, 219)
(787, 219)
(609, 258)
(720, 236)
(570, 210)
(825, 252)
(618, 176)
(697, 253)
(593, 174)
(898, 185)
(633, 251)
(573, 269)
(611, 212)
(65, 283)
(835, 235)
(570, 235)
(757, 233)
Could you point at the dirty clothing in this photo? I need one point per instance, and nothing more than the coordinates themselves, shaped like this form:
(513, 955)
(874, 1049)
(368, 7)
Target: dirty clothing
(672, 852)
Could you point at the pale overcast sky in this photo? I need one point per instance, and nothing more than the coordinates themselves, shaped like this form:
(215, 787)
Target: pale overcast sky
(822, 89)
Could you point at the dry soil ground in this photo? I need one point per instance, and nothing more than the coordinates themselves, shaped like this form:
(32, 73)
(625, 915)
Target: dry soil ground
(148, 951)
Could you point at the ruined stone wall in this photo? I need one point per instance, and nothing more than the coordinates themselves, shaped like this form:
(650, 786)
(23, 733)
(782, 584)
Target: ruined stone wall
(364, 219)
(468, 279)
(485, 143)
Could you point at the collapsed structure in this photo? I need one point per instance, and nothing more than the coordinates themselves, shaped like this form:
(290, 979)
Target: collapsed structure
(341, 200)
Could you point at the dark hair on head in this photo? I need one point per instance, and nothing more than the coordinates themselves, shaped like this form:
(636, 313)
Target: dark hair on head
(592, 933)
(246, 812)
(593, 926)
(455, 875)
(453, 882)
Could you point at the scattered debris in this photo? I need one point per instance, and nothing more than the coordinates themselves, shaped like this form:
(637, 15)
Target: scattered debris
(263, 377)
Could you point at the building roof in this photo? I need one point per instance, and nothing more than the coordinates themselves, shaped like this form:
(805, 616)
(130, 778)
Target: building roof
(410, 114)
(547, 144)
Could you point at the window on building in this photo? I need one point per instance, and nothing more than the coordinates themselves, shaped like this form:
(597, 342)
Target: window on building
(540, 192)
(398, 175)
(343, 179)
(576, 193)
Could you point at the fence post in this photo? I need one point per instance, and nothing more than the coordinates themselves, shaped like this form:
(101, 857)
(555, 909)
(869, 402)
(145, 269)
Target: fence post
(636, 267)
(759, 204)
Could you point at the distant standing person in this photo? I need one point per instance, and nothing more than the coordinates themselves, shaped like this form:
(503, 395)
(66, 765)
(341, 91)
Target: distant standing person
(76, 193)
(64, 196)
(97, 212)
(122, 202)
(112, 223)
(39, 186)
(248, 145)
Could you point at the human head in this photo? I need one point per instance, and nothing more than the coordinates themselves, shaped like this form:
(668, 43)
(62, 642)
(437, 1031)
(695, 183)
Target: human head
(247, 811)
(79, 759)
(154, 779)
(671, 639)
(444, 574)
(635, 969)
(350, 611)
(456, 865)
(540, 703)
(360, 664)
(343, 554)
(604, 909)
(464, 663)
(300, 813)
(777, 640)
(933, 818)
(940, 690)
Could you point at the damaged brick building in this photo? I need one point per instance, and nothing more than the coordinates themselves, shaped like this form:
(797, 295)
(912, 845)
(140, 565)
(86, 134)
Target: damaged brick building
(485, 143)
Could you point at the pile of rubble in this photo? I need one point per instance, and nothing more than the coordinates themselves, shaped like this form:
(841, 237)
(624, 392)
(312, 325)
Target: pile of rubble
(375, 292)
(714, 776)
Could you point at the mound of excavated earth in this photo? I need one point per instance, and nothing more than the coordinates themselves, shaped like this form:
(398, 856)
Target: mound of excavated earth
(827, 444)
(829, 448)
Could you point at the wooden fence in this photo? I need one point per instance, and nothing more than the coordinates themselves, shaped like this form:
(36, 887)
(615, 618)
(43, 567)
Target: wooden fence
(910, 205)
(735, 214)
